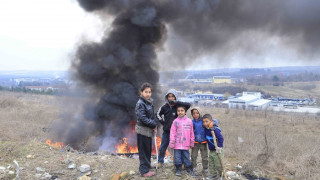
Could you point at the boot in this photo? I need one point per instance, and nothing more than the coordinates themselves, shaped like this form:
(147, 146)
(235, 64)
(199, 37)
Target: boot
(178, 171)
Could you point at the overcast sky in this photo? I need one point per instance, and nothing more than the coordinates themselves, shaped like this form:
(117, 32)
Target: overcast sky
(42, 34)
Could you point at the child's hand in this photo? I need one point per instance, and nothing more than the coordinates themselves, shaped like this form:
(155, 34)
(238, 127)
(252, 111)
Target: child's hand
(219, 150)
(155, 130)
(171, 145)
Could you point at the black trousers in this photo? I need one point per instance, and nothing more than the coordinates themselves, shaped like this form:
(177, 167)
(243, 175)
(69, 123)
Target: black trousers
(145, 150)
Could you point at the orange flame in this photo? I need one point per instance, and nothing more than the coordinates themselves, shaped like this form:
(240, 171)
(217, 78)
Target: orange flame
(57, 145)
(124, 148)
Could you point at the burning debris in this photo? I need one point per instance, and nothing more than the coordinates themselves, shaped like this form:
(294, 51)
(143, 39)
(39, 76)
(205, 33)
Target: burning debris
(57, 145)
(114, 68)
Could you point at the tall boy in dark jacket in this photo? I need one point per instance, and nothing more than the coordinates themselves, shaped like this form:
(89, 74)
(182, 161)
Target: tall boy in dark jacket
(169, 113)
(215, 167)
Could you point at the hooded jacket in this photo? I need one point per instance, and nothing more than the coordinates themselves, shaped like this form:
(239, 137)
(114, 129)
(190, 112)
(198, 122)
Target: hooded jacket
(169, 112)
(199, 132)
(217, 132)
(146, 121)
(181, 134)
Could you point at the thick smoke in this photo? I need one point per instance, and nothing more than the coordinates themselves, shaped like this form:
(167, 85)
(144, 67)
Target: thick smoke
(126, 57)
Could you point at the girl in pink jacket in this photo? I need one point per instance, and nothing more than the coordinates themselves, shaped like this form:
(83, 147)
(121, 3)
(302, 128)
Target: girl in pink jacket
(181, 139)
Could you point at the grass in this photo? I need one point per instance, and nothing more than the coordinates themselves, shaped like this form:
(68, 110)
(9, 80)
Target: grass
(274, 143)
(290, 89)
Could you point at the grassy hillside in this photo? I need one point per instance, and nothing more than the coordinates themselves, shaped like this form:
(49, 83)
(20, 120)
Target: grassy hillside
(275, 145)
(292, 89)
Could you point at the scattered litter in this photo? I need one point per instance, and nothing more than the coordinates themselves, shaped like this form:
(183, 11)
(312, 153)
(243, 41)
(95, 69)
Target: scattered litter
(67, 161)
(115, 177)
(38, 175)
(131, 172)
(17, 169)
(11, 172)
(2, 168)
(40, 170)
(240, 140)
(72, 166)
(238, 167)
(122, 157)
(233, 175)
(91, 153)
(84, 168)
(47, 176)
(123, 175)
(30, 156)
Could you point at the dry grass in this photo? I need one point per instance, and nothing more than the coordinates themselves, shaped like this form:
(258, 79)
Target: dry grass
(290, 89)
(25, 117)
(273, 144)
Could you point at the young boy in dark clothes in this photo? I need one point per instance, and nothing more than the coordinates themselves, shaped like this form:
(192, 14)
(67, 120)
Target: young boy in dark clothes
(169, 113)
(215, 166)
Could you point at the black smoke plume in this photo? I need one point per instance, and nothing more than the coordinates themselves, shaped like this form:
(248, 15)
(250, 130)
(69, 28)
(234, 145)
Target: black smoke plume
(126, 57)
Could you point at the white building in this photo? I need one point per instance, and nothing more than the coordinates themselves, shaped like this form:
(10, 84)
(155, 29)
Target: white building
(260, 104)
(248, 100)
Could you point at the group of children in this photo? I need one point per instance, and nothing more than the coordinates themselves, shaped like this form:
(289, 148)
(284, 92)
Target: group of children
(179, 133)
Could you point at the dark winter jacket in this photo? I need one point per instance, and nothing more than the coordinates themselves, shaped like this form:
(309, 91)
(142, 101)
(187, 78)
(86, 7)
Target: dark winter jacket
(146, 121)
(169, 112)
(219, 137)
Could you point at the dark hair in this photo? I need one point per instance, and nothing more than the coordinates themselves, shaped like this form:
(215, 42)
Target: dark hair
(185, 109)
(145, 86)
(207, 116)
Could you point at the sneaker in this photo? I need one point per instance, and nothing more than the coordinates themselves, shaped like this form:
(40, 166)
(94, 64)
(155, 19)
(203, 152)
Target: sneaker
(149, 174)
(195, 171)
(205, 171)
(191, 173)
(178, 172)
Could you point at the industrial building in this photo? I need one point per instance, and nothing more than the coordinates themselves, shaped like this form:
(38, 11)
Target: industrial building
(204, 96)
(221, 79)
(248, 100)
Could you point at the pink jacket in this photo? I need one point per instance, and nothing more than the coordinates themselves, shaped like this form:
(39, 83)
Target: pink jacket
(181, 134)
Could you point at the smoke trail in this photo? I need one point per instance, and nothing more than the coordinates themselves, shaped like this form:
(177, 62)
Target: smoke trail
(126, 57)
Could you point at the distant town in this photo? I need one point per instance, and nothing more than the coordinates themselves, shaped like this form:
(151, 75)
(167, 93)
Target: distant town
(227, 88)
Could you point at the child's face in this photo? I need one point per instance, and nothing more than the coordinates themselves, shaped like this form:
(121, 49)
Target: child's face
(195, 114)
(146, 93)
(181, 112)
(171, 97)
(207, 122)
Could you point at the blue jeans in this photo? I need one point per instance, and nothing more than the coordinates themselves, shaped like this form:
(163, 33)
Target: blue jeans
(164, 145)
(182, 157)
